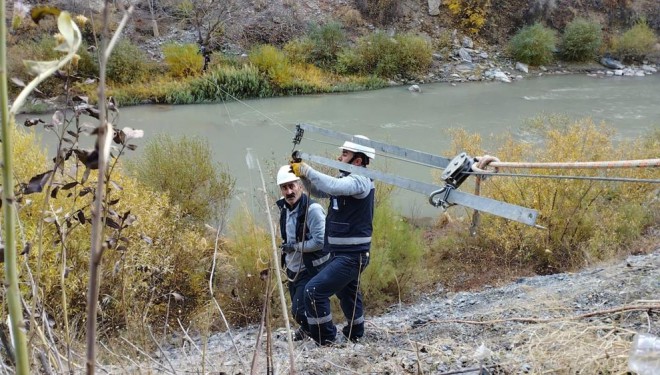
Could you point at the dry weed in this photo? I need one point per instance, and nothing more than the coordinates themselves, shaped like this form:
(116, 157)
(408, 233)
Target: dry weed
(575, 347)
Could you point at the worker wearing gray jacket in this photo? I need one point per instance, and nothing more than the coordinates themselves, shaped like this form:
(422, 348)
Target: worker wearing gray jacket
(302, 227)
(348, 230)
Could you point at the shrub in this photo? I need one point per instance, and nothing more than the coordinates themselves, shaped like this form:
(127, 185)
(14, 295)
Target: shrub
(351, 18)
(396, 258)
(239, 283)
(157, 90)
(299, 50)
(328, 40)
(533, 45)
(379, 54)
(41, 49)
(184, 169)
(444, 41)
(586, 220)
(272, 62)
(635, 43)
(88, 65)
(127, 64)
(229, 83)
(415, 54)
(382, 11)
(289, 78)
(581, 40)
(361, 83)
(183, 60)
(306, 79)
(154, 257)
(349, 62)
(221, 83)
(471, 14)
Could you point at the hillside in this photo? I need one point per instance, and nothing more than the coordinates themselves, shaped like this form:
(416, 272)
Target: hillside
(568, 323)
(247, 22)
(563, 323)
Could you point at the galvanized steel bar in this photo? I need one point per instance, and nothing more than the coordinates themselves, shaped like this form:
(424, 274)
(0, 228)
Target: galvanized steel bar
(502, 209)
(414, 155)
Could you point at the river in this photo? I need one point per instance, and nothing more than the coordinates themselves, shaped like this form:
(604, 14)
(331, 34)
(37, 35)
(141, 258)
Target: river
(413, 120)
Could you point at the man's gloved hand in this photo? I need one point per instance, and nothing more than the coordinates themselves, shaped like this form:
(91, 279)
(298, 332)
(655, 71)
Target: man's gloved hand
(288, 248)
(298, 168)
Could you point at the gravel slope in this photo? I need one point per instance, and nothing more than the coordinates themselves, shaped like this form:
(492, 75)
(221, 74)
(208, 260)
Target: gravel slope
(565, 323)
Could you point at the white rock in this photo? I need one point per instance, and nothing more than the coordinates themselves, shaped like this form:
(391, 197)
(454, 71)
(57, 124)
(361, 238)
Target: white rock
(434, 7)
(649, 69)
(522, 67)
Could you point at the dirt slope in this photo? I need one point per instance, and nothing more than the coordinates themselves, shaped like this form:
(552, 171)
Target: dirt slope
(565, 323)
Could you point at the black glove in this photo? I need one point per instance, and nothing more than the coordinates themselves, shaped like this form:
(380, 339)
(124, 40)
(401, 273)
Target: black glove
(287, 248)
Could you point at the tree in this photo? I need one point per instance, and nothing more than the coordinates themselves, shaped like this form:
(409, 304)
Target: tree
(152, 12)
(207, 17)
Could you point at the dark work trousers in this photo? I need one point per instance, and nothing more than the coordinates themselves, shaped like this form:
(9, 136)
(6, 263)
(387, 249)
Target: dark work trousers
(297, 293)
(340, 276)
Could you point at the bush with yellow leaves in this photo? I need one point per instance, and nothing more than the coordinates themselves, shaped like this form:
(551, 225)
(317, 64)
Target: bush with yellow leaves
(155, 268)
(470, 14)
(584, 220)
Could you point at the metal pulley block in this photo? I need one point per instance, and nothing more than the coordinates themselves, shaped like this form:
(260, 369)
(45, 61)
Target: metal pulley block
(458, 170)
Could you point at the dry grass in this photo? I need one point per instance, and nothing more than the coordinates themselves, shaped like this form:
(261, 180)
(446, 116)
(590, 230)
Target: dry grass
(575, 347)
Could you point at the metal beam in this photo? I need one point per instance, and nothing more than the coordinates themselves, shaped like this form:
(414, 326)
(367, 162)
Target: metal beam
(506, 210)
(384, 148)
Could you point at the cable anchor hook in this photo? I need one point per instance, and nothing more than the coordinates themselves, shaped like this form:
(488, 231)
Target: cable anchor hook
(439, 197)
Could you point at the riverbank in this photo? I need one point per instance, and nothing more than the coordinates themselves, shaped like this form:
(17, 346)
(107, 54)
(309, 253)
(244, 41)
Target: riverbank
(457, 57)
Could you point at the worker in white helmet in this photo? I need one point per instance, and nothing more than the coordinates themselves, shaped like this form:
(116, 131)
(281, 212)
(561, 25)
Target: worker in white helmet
(348, 230)
(302, 227)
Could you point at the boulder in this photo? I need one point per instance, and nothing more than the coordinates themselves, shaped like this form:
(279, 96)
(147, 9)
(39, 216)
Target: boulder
(611, 63)
(464, 55)
(522, 67)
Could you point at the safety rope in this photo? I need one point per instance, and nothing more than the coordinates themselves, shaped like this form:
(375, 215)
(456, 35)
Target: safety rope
(566, 177)
(496, 163)
(482, 163)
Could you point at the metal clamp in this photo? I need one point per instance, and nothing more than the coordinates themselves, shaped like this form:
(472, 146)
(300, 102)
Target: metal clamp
(439, 198)
(299, 134)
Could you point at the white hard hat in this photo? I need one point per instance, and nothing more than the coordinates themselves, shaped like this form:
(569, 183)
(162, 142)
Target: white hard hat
(354, 147)
(285, 175)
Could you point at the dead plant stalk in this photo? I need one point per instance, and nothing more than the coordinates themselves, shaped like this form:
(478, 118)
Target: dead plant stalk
(255, 163)
(104, 138)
